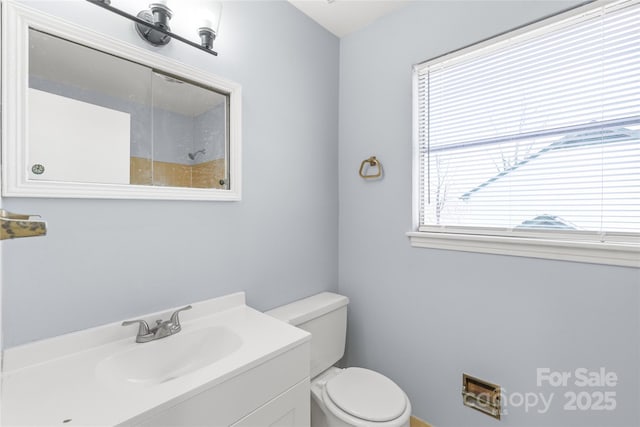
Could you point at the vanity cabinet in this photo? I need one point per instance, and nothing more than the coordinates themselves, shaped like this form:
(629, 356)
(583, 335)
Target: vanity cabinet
(274, 393)
(230, 365)
(290, 409)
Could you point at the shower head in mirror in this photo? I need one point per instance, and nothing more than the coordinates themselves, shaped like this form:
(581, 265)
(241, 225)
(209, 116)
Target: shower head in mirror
(195, 154)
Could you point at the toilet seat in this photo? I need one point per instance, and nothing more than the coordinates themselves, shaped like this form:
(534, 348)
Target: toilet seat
(366, 395)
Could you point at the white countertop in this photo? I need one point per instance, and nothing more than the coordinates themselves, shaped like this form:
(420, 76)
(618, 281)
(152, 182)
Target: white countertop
(47, 382)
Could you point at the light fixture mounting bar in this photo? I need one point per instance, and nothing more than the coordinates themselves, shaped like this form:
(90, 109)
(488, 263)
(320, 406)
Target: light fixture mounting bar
(140, 21)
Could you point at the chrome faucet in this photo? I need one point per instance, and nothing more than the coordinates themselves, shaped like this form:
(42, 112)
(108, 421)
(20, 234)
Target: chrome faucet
(161, 330)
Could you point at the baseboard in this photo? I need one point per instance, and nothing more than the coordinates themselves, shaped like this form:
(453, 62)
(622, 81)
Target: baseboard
(417, 422)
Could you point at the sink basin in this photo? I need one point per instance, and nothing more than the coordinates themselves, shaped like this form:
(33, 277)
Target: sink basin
(199, 376)
(168, 358)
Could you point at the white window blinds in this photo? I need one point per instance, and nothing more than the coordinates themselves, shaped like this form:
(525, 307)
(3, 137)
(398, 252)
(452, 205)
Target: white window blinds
(537, 130)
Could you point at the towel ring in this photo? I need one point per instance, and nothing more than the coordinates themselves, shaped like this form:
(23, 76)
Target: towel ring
(373, 162)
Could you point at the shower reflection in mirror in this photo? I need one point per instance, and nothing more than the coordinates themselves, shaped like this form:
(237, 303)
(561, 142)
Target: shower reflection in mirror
(97, 118)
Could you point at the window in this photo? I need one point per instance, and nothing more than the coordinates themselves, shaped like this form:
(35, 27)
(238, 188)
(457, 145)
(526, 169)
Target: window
(529, 143)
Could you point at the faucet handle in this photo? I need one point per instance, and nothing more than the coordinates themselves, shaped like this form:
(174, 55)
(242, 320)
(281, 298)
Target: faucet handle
(175, 319)
(143, 329)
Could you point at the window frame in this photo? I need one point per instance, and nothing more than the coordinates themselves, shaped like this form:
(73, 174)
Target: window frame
(618, 249)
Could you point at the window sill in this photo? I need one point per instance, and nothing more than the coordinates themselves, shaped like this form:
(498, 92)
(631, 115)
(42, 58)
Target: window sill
(626, 255)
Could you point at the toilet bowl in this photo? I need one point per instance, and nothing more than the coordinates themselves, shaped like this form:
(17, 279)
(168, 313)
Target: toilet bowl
(342, 397)
(357, 397)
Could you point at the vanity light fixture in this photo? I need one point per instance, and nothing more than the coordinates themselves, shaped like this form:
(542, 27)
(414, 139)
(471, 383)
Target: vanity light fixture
(153, 24)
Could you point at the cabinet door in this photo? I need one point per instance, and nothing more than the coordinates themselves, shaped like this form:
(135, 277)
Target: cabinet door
(75, 141)
(290, 409)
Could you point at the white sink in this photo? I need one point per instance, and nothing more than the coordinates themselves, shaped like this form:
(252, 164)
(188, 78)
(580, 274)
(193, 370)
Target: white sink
(102, 377)
(168, 358)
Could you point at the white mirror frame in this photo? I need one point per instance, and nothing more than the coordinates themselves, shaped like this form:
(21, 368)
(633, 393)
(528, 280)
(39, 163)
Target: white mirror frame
(16, 21)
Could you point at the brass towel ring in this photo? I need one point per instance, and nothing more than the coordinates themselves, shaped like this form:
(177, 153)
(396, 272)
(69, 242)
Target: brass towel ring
(373, 162)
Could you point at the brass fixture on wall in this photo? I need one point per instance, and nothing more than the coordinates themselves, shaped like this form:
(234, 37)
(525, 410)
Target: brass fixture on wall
(20, 225)
(373, 163)
(481, 395)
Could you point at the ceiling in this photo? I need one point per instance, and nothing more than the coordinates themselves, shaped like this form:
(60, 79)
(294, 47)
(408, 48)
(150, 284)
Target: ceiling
(343, 17)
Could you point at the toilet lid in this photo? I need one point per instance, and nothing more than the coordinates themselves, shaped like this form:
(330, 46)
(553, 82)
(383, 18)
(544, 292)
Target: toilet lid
(367, 395)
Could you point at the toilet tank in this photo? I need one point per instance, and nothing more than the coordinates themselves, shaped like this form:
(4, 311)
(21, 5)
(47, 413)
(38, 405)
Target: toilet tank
(324, 316)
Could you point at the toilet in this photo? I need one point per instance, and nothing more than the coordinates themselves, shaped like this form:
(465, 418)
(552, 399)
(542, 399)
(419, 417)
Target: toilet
(342, 397)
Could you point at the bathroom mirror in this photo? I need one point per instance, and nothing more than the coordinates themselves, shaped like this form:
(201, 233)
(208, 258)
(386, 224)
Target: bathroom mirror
(89, 116)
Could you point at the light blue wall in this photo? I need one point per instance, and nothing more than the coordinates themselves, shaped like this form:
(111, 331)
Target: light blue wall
(424, 317)
(107, 260)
